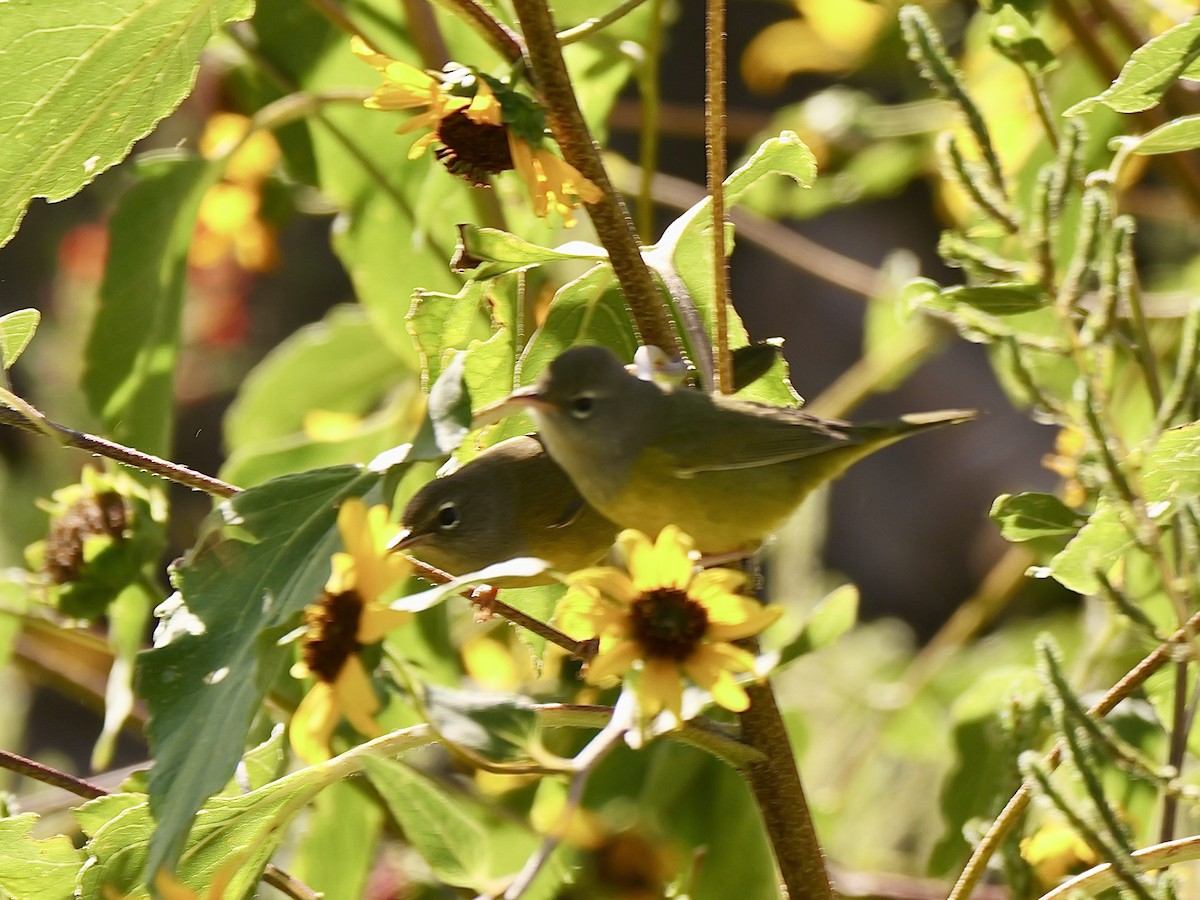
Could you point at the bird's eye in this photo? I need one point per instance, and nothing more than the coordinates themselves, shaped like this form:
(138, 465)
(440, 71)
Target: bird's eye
(581, 406)
(447, 517)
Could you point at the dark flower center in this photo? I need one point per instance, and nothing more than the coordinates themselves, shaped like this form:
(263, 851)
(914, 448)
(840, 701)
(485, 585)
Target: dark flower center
(104, 513)
(332, 628)
(472, 150)
(668, 624)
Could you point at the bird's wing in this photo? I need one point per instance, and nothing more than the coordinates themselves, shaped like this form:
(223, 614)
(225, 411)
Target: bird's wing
(746, 436)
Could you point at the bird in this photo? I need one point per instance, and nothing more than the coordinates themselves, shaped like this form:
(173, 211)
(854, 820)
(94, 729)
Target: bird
(725, 471)
(512, 500)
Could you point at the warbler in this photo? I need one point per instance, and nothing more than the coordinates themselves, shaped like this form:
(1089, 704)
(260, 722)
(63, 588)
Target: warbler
(511, 500)
(726, 471)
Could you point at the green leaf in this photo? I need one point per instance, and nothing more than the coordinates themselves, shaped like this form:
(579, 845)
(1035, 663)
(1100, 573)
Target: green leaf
(997, 299)
(262, 556)
(1013, 37)
(488, 252)
(1174, 136)
(128, 615)
(30, 868)
(683, 256)
(498, 727)
(232, 836)
(1170, 470)
(338, 366)
(442, 323)
(84, 81)
(16, 331)
(463, 843)
(835, 615)
(1099, 545)
(343, 824)
(1027, 517)
(130, 359)
(1150, 71)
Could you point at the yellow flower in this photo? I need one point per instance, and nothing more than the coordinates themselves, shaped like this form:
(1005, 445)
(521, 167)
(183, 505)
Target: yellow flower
(348, 616)
(663, 619)
(478, 134)
(551, 181)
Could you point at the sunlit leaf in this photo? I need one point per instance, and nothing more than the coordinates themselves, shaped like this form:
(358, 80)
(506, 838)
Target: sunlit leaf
(45, 869)
(83, 81)
(16, 331)
(1150, 71)
(1025, 517)
(1173, 137)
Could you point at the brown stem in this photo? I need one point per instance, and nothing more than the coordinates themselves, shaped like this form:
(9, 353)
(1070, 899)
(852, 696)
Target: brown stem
(780, 796)
(609, 215)
(503, 39)
(125, 455)
(488, 602)
(1134, 678)
(715, 151)
(45, 774)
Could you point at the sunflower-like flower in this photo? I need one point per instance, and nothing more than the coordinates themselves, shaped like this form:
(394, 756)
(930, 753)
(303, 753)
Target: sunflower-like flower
(482, 127)
(347, 616)
(661, 618)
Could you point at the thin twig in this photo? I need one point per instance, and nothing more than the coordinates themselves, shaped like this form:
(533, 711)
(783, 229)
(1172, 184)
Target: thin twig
(99, 446)
(47, 775)
(503, 39)
(596, 24)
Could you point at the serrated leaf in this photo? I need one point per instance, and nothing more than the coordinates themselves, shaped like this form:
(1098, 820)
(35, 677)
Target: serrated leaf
(46, 869)
(1150, 71)
(1029, 516)
(1172, 467)
(16, 331)
(488, 252)
(84, 81)
(1173, 137)
(232, 837)
(835, 615)
(262, 556)
(441, 323)
(129, 368)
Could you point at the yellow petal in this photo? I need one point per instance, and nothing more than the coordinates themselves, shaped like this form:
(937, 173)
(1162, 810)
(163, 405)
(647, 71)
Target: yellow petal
(728, 693)
(612, 663)
(377, 621)
(660, 687)
(313, 723)
(727, 581)
(755, 622)
(420, 145)
(610, 582)
(368, 54)
(356, 697)
(342, 574)
(484, 108)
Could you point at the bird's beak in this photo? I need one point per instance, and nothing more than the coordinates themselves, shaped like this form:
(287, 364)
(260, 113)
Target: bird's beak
(520, 399)
(405, 540)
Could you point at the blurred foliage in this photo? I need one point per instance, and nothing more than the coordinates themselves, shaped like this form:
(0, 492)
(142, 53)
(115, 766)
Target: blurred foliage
(1057, 141)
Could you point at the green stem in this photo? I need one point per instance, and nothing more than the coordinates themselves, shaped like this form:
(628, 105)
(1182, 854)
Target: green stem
(649, 89)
